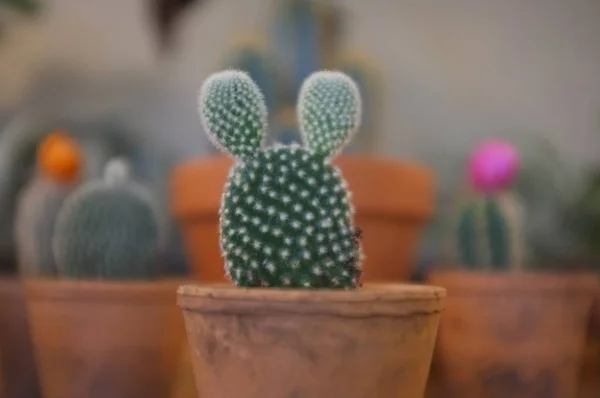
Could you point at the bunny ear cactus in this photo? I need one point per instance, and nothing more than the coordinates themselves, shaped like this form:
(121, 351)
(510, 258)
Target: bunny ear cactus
(490, 226)
(286, 214)
(108, 229)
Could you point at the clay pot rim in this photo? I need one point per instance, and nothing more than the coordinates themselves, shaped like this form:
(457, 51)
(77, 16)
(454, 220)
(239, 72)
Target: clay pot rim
(526, 281)
(376, 299)
(143, 291)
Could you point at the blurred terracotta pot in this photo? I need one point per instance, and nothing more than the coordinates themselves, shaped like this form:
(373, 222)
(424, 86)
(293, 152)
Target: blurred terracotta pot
(393, 200)
(17, 365)
(590, 380)
(255, 343)
(513, 335)
(105, 339)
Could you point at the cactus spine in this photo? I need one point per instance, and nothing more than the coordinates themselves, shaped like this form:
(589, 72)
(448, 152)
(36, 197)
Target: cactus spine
(286, 215)
(490, 228)
(108, 229)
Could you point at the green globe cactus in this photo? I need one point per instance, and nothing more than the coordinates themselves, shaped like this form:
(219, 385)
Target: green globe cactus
(108, 229)
(286, 213)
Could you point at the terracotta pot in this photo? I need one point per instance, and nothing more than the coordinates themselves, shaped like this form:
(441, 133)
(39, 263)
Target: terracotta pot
(590, 380)
(513, 335)
(393, 200)
(256, 343)
(17, 364)
(185, 385)
(105, 339)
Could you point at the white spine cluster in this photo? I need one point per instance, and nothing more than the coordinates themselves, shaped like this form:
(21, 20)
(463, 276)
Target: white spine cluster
(329, 111)
(233, 113)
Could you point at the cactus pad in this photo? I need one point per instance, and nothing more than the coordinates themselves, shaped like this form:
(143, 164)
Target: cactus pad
(234, 113)
(286, 214)
(108, 229)
(329, 108)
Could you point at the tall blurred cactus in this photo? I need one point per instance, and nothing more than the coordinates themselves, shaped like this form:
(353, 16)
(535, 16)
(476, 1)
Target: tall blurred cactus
(305, 37)
(489, 231)
(58, 171)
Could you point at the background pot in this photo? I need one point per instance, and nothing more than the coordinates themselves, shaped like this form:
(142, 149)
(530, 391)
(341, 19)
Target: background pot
(513, 335)
(105, 339)
(250, 343)
(17, 365)
(394, 200)
(590, 374)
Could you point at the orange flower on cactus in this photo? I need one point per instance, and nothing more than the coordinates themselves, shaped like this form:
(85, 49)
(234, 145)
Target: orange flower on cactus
(59, 157)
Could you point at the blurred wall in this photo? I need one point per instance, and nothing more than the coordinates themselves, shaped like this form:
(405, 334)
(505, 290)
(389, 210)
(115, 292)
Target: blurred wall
(454, 71)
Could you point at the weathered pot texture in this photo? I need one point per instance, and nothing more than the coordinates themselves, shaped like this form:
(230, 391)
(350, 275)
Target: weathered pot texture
(513, 335)
(373, 342)
(17, 364)
(590, 380)
(105, 339)
(393, 200)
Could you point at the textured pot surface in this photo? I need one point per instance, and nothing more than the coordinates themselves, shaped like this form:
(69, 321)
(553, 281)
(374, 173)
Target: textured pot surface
(105, 339)
(393, 201)
(17, 363)
(376, 341)
(513, 335)
(590, 373)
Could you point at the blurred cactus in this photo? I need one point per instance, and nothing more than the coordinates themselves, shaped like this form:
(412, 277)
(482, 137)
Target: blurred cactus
(549, 188)
(304, 37)
(585, 220)
(490, 227)
(296, 33)
(99, 140)
(59, 166)
(108, 229)
(490, 233)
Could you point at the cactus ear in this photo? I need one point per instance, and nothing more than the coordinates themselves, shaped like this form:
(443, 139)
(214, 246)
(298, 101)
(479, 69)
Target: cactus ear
(328, 111)
(233, 112)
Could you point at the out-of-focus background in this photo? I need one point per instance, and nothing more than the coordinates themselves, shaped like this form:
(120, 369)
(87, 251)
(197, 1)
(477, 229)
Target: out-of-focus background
(452, 72)
(448, 75)
(121, 78)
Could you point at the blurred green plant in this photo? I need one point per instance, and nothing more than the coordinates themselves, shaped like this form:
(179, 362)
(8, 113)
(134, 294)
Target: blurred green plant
(304, 37)
(559, 201)
(550, 188)
(27, 7)
(22, 7)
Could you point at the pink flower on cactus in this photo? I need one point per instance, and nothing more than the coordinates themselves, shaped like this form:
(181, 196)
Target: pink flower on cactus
(493, 166)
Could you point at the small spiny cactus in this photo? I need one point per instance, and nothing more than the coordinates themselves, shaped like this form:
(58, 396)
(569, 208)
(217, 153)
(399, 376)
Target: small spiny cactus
(286, 213)
(108, 229)
(490, 231)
